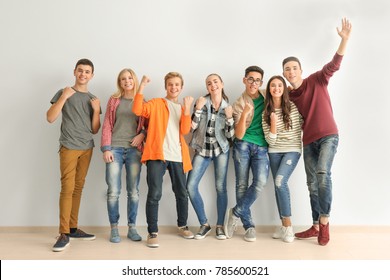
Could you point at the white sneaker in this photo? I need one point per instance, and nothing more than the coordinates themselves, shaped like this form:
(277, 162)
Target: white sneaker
(278, 234)
(284, 233)
(230, 224)
(288, 234)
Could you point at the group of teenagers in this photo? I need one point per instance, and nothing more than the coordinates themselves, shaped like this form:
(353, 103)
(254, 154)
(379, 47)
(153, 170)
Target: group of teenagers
(263, 130)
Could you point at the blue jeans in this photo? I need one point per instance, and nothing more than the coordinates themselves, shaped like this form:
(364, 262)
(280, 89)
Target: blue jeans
(199, 166)
(131, 159)
(282, 166)
(154, 177)
(318, 157)
(248, 156)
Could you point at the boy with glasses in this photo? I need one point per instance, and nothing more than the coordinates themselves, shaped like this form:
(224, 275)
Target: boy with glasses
(250, 152)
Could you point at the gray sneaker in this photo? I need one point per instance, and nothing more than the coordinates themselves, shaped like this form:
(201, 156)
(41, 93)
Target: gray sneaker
(114, 236)
(133, 234)
(62, 243)
(230, 224)
(250, 235)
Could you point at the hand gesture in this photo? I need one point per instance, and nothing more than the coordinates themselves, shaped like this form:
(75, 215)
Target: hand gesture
(187, 101)
(145, 80)
(248, 108)
(68, 92)
(200, 103)
(229, 112)
(346, 28)
(273, 118)
(95, 103)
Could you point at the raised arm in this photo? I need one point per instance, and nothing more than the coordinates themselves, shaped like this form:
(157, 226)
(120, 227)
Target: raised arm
(344, 33)
(240, 126)
(55, 109)
(138, 105)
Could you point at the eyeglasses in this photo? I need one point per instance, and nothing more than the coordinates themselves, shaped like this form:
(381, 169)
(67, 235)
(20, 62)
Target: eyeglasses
(251, 80)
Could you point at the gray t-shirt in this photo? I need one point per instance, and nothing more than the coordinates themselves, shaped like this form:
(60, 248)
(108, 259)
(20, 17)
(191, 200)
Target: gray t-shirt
(125, 127)
(76, 126)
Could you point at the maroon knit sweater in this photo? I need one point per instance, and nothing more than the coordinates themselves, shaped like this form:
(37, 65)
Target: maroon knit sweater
(313, 102)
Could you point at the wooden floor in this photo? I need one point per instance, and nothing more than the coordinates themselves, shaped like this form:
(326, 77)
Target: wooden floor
(347, 243)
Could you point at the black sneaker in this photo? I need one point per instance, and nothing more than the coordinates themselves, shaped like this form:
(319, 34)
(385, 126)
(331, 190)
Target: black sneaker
(203, 231)
(62, 243)
(81, 235)
(220, 234)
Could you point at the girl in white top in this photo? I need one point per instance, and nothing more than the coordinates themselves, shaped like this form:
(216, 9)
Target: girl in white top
(282, 130)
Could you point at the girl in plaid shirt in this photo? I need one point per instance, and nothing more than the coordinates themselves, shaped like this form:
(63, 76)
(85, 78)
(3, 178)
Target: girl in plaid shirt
(213, 130)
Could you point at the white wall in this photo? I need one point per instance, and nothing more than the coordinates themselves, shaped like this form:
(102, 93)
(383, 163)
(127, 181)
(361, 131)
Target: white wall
(41, 41)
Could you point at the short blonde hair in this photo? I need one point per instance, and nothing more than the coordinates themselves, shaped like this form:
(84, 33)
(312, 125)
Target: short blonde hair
(173, 75)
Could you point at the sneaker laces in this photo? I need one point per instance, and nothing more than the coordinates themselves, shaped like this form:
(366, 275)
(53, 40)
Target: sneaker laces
(234, 223)
(115, 232)
(185, 228)
(79, 231)
(61, 237)
(220, 231)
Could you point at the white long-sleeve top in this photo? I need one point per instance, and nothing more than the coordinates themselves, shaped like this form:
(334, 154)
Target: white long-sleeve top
(285, 140)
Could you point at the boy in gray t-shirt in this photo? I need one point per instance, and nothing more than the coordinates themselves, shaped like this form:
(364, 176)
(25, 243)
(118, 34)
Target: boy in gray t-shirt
(80, 119)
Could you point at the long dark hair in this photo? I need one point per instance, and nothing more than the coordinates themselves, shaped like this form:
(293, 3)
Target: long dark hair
(270, 106)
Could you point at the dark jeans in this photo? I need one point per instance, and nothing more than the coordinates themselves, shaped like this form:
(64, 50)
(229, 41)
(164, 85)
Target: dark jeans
(155, 173)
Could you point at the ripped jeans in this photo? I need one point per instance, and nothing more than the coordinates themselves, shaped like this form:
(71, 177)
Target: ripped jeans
(282, 166)
(318, 157)
(249, 157)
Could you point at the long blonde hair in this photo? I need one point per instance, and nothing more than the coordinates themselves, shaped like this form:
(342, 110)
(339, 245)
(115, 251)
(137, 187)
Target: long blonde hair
(120, 92)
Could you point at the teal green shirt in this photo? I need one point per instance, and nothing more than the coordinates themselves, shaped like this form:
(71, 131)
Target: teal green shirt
(254, 133)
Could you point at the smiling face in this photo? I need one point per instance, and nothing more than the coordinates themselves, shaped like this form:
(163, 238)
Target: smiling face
(276, 88)
(293, 73)
(252, 82)
(126, 81)
(174, 87)
(83, 74)
(214, 85)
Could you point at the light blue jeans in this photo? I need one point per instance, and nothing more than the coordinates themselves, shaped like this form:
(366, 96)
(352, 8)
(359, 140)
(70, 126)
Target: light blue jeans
(131, 159)
(248, 156)
(282, 166)
(199, 166)
(318, 157)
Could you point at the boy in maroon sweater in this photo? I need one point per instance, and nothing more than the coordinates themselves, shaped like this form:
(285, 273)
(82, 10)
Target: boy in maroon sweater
(320, 133)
